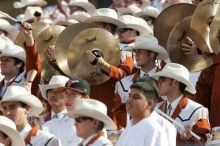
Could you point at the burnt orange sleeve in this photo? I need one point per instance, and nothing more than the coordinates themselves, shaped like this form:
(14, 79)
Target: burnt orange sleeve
(119, 113)
(202, 127)
(123, 69)
(33, 62)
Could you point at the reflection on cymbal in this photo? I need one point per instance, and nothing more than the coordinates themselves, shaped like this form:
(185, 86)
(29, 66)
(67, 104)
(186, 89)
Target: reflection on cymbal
(200, 24)
(87, 40)
(177, 36)
(63, 43)
(168, 18)
(47, 38)
(214, 34)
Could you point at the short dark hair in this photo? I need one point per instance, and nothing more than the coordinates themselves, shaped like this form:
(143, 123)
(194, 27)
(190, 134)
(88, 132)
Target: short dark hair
(100, 126)
(148, 86)
(18, 61)
(182, 87)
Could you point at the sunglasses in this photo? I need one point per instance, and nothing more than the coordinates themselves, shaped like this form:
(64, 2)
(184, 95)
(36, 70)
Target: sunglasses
(81, 119)
(122, 30)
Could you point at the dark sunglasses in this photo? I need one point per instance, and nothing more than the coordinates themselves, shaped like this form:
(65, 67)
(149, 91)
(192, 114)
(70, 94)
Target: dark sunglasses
(122, 30)
(81, 119)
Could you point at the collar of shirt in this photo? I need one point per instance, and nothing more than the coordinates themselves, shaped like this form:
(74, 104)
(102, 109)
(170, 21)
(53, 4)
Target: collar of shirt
(88, 139)
(150, 73)
(174, 104)
(60, 114)
(25, 131)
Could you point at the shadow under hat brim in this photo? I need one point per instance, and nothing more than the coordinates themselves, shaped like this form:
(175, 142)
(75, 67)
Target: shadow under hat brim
(12, 31)
(64, 88)
(109, 124)
(141, 14)
(13, 135)
(141, 29)
(106, 19)
(189, 87)
(19, 5)
(30, 100)
(162, 53)
(44, 88)
(90, 8)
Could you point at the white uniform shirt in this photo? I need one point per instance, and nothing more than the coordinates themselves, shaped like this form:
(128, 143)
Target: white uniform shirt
(41, 138)
(168, 127)
(147, 132)
(64, 129)
(18, 81)
(101, 141)
(122, 87)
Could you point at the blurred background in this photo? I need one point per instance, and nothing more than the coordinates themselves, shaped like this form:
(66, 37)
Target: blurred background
(6, 5)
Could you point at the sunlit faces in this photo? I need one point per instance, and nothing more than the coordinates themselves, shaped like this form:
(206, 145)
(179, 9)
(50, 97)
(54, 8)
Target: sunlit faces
(56, 97)
(137, 104)
(16, 111)
(164, 86)
(72, 98)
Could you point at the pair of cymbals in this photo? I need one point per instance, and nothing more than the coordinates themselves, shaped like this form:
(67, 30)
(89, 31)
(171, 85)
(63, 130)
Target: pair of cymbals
(177, 36)
(72, 44)
(200, 24)
(47, 38)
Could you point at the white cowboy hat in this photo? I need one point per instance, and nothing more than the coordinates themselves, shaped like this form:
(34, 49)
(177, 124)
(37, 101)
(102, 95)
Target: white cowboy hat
(136, 23)
(149, 43)
(131, 10)
(55, 82)
(65, 22)
(94, 109)
(11, 30)
(12, 50)
(29, 13)
(18, 93)
(80, 16)
(148, 11)
(24, 3)
(8, 127)
(105, 15)
(177, 72)
(85, 4)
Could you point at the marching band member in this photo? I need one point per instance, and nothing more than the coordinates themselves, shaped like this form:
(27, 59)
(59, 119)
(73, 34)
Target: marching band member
(17, 104)
(173, 81)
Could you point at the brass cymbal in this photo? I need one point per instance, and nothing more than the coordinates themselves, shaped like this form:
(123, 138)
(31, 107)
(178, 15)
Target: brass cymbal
(200, 24)
(63, 43)
(178, 35)
(37, 28)
(45, 39)
(87, 40)
(214, 35)
(168, 18)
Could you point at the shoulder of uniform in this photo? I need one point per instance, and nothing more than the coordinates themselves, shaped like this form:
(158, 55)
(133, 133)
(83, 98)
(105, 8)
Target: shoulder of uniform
(193, 111)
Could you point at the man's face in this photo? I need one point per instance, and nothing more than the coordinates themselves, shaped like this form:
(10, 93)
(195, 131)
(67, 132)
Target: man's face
(55, 97)
(126, 35)
(136, 103)
(8, 65)
(165, 86)
(72, 98)
(142, 57)
(14, 111)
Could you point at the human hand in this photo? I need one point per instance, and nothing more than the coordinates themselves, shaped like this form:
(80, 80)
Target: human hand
(190, 48)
